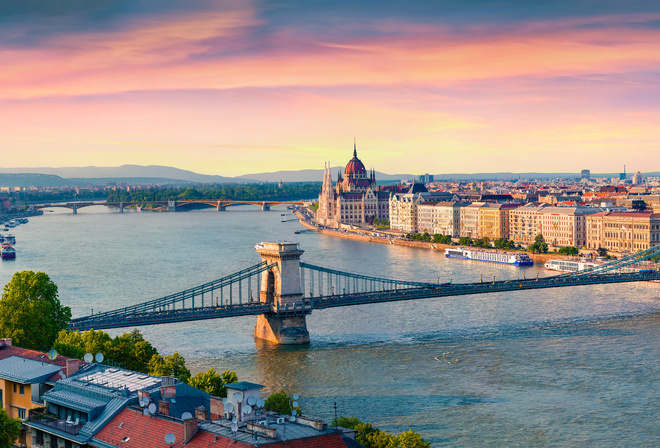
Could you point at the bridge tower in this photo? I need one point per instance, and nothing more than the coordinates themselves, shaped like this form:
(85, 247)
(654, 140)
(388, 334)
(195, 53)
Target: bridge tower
(281, 288)
(171, 205)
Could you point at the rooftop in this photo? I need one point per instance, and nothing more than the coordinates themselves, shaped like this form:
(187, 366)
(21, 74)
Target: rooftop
(26, 371)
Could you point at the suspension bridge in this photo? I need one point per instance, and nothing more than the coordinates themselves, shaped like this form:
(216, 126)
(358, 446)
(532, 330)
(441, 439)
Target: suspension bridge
(281, 290)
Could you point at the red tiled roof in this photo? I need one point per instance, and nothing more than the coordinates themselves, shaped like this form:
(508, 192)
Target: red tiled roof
(9, 350)
(149, 432)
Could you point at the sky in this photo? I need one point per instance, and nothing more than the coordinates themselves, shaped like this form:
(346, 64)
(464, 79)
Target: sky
(233, 87)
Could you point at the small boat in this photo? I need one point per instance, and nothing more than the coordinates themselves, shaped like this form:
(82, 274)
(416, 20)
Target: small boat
(23, 220)
(489, 256)
(258, 246)
(11, 239)
(7, 252)
(11, 223)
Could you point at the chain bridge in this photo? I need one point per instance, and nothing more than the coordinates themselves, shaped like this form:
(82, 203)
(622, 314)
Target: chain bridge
(282, 291)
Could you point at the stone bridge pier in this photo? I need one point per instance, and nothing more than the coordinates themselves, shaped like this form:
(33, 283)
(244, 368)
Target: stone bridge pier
(171, 205)
(281, 288)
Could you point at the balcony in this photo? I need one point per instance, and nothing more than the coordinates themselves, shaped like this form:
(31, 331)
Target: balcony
(41, 417)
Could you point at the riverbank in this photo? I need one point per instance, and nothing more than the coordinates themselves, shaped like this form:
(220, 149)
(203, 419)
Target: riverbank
(400, 241)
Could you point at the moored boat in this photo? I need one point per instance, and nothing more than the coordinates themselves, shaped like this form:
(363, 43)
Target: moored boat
(489, 256)
(9, 238)
(7, 251)
(569, 265)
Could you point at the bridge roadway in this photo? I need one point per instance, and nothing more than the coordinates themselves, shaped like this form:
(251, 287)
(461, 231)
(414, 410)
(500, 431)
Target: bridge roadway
(324, 302)
(220, 204)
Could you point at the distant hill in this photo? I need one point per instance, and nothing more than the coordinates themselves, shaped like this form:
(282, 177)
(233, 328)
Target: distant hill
(128, 171)
(31, 179)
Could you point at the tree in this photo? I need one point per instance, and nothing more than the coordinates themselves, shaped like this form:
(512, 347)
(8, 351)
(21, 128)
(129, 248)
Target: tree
(465, 241)
(281, 403)
(173, 365)
(10, 429)
(569, 250)
(539, 245)
(372, 437)
(30, 311)
(212, 382)
(483, 242)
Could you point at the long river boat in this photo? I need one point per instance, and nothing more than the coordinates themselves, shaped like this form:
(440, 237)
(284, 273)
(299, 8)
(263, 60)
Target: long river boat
(489, 256)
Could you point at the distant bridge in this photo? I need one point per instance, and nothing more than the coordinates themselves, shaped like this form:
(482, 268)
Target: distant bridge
(289, 290)
(172, 205)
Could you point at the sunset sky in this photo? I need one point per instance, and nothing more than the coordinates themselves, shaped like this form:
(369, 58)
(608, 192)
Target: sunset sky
(234, 87)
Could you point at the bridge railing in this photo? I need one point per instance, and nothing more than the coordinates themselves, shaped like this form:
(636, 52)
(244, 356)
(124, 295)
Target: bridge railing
(620, 264)
(169, 302)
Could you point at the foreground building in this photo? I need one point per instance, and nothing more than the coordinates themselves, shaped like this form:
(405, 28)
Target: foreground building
(565, 226)
(355, 200)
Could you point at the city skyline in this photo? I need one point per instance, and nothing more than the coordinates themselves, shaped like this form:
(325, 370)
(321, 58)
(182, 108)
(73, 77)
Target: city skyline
(232, 88)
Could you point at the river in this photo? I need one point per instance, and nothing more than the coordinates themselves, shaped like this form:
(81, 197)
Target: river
(566, 367)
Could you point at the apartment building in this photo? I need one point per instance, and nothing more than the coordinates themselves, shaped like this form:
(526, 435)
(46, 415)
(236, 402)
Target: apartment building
(494, 220)
(470, 220)
(565, 226)
(524, 223)
(440, 217)
(404, 208)
(623, 231)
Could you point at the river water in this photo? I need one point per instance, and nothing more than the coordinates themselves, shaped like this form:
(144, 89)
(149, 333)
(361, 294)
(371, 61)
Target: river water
(565, 367)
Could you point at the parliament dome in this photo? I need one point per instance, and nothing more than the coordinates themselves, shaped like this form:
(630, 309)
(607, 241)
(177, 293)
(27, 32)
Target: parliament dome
(355, 167)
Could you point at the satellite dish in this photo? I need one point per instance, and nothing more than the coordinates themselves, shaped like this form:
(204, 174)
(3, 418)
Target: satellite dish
(229, 407)
(234, 427)
(292, 418)
(170, 438)
(145, 412)
(296, 396)
(88, 357)
(261, 403)
(234, 420)
(294, 404)
(142, 402)
(186, 416)
(99, 357)
(239, 398)
(251, 401)
(294, 412)
(224, 401)
(52, 354)
(247, 409)
(152, 408)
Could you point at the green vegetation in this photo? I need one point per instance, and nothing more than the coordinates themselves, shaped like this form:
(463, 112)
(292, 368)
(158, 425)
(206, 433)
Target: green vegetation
(235, 192)
(130, 350)
(71, 195)
(569, 250)
(281, 403)
(465, 241)
(314, 206)
(10, 429)
(427, 238)
(213, 382)
(381, 223)
(372, 437)
(538, 246)
(30, 311)
(483, 243)
(504, 243)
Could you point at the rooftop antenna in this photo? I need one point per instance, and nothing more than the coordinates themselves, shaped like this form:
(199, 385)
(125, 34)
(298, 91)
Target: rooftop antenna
(335, 415)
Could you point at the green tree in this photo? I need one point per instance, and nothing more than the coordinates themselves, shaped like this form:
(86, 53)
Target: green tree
(30, 311)
(213, 382)
(10, 429)
(281, 403)
(465, 241)
(372, 437)
(173, 365)
(539, 245)
(483, 243)
(569, 250)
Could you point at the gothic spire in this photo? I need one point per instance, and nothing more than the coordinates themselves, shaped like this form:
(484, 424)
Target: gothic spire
(354, 148)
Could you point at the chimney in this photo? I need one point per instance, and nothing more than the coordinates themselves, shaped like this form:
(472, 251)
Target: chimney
(201, 413)
(189, 429)
(217, 408)
(72, 366)
(163, 407)
(5, 342)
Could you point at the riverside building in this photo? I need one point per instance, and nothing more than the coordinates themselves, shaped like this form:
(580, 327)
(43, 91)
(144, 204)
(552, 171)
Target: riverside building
(356, 200)
(623, 231)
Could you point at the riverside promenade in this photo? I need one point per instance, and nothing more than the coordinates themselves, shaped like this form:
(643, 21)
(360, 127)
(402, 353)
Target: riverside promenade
(395, 239)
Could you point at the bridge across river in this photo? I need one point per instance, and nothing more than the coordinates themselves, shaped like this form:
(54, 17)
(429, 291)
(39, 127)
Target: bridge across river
(288, 290)
(172, 205)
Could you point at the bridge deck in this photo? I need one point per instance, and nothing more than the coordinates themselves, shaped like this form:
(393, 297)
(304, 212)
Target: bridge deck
(130, 319)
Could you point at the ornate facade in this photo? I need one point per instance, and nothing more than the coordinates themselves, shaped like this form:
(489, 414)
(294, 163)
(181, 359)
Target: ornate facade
(355, 200)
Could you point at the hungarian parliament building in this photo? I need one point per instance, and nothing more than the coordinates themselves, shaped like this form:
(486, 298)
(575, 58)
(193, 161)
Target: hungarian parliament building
(355, 200)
